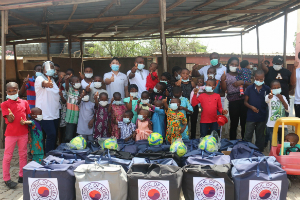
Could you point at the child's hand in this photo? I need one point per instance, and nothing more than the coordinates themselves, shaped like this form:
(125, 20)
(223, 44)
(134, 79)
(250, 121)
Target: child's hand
(91, 123)
(224, 112)
(181, 108)
(150, 125)
(139, 101)
(270, 95)
(195, 67)
(280, 97)
(196, 90)
(149, 105)
(178, 83)
(181, 130)
(223, 77)
(82, 94)
(11, 116)
(25, 81)
(112, 100)
(165, 100)
(96, 96)
(81, 75)
(131, 98)
(112, 78)
(67, 77)
(262, 60)
(167, 93)
(88, 86)
(60, 93)
(22, 122)
(48, 84)
(29, 140)
(296, 64)
(254, 109)
(133, 135)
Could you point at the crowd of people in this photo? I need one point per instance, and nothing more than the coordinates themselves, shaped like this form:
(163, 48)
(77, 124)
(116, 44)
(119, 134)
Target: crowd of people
(61, 105)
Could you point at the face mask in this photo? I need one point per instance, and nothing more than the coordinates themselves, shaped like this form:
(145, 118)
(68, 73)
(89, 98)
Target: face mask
(276, 91)
(126, 120)
(77, 85)
(38, 74)
(208, 89)
(211, 76)
(12, 97)
(141, 66)
(133, 94)
(55, 76)
(185, 80)
(277, 67)
(178, 77)
(166, 82)
(144, 101)
(214, 62)
(103, 103)
(117, 102)
(39, 117)
(140, 117)
(115, 67)
(86, 98)
(232, 69)
(97, 84)
(258, 83)
(173, 106)
(254, 68)
(157, 108)
(251, 66)
(50, 72)
(287, 144)
(155, 90)
(88, 75)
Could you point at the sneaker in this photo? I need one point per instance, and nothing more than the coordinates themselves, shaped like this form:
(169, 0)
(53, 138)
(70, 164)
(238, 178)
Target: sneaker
(10, 184)
(20, 180)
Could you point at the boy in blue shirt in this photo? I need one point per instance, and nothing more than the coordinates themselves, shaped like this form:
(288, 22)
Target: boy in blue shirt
(292, 139)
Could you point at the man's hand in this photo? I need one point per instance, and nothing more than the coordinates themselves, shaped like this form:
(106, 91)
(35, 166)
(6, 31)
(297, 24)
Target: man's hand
(48, 84)
(133, 70)
(254, 109)
(11, 116)
(224, 112)
(22, 122)
(112, 78)
(91, 123)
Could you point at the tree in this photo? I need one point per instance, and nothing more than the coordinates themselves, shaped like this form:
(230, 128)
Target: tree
(145, 47)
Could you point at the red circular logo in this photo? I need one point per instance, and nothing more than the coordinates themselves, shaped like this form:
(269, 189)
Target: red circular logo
(95, 191)
(209, 189)
(153, 190)
(43, 189)
(265, 190)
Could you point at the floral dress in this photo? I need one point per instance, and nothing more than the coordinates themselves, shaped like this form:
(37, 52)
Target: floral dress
(117, 112)
(36, 145)
(102, 122)
(174, 125)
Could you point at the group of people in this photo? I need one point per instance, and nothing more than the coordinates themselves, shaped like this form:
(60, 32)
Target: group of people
(134, 105)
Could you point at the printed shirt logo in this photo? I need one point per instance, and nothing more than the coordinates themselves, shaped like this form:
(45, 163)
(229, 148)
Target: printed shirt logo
(269, 190)
(153, 190)
(209, 188)
(96, 190)
(46, 189)
(278, 76)
(277, 110)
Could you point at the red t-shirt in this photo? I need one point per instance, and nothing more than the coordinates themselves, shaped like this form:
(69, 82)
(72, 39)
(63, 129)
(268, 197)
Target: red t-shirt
(210, 105)
(150, 83)
(20, 108)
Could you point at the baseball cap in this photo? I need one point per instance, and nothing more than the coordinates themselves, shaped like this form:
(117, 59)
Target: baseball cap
(278, 60)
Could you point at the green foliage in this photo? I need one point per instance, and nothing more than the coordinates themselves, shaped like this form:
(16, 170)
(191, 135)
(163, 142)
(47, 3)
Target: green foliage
(145, 47)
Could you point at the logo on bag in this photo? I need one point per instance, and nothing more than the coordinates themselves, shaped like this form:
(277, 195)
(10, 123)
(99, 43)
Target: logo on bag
(209, 188)
(97, 190)
(153, 190)
(43, 189)
(269, 190)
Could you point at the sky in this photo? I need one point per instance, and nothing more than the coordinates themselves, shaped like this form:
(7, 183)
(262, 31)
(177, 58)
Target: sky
(270, 39)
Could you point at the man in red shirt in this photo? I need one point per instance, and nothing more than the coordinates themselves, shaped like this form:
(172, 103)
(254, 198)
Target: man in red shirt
(14, 110)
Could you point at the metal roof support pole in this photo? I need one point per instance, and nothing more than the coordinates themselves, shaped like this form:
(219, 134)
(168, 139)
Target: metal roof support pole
(162, 11)
(241, 46)
(16, 63)
(4, 31)
(70, 52)
(284, 39)
(257, 39)
(81, 55)
(48, 42)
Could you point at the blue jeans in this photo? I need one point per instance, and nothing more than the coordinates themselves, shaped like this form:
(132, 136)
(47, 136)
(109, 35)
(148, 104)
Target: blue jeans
(204, 127)
(269, 135)
(50, 127)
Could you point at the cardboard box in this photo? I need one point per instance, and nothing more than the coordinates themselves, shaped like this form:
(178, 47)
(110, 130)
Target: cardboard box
(226, 152)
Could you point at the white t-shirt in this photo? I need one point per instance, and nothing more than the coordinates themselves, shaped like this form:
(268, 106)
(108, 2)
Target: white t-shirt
(297, 89)
(220, 71)
(84, 84)
(276, 109)
(120, 82)
(140, 80)
(47, 99)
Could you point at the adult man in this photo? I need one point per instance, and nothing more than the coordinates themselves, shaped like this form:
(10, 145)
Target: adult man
(138, 75)
(267, 63)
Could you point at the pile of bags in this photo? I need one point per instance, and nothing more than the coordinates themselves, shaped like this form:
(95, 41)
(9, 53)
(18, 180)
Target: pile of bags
(153, 170)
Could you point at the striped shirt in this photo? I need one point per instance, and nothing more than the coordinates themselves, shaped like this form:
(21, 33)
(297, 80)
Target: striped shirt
(31, 92)
(72, 106)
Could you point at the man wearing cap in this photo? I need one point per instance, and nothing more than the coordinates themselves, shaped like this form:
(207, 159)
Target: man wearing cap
(277, 72)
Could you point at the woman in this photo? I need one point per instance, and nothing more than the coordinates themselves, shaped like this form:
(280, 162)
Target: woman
(237, 109)
(47, 99)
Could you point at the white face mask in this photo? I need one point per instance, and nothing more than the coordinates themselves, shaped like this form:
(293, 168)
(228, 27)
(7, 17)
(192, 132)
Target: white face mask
(77, 85)
(86, 98)
(212, 76)
(39, 117)
(232, 68)
(133, 94)
(251, 66)
(103, 103)
(97, 84)
(144, 101)
(88, 75)
(277, 67)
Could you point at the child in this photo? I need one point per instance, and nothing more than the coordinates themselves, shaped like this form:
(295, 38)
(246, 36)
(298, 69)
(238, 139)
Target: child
(185, 83)
(36, 135)
(98, 83)
(86, 119)
(144, 102)
(211, 103)
(87, 79)
(174, 120)
(158, 92)
(211, 74)
(257, 110)
(166, 78)
(13, 110)
(244, 74)
(143, 126)
(292, 139)
(152, 78)
(126, 127)
(278, 105)
(102, 116)
(132, 101)
(72, 113)
(176, 71)
(184, 107)
(158, 118)
(117, 109)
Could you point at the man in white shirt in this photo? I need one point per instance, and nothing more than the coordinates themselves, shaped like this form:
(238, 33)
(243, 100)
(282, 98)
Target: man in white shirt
(115, 80)
(138, 75)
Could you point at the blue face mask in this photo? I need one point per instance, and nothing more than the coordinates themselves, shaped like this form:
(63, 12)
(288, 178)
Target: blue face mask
(276, 91)
(115, 67)
(117, 102)
(208, 89)
(173, 106)
(141, 66)
(126, 120)
(214, 62)
(287, 144)
(258, 83)
(55, 76)
(140, 117)
(187, 80)
(38, 74)
(166, 82)
(50, 72)
(12, 97)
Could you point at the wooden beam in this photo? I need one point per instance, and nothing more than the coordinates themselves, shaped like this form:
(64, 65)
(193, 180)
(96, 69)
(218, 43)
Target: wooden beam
(70, 50)
(81, 55)
(48, 42)
(174, 5)
(257, 43)
(16, 63)
(13, 32)
(162, 34)
(71, 15)
(10, 2)
(284, 39)
(22, 18)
